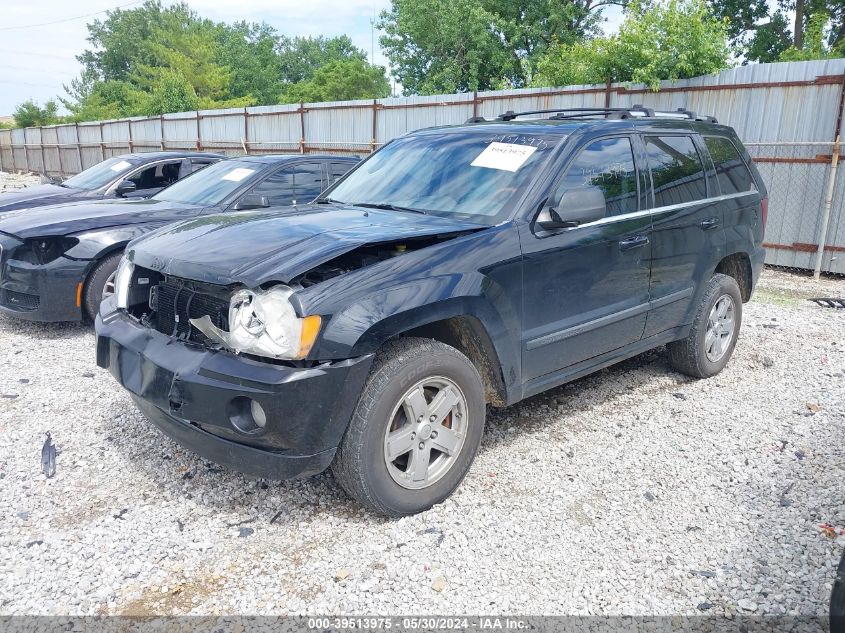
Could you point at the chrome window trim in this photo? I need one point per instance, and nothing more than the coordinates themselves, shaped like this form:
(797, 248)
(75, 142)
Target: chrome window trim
(660, 210)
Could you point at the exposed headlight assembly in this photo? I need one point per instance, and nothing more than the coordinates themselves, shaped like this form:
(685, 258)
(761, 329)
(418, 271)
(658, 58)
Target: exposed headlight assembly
(264, 323)
(122, 281)
(44, 250)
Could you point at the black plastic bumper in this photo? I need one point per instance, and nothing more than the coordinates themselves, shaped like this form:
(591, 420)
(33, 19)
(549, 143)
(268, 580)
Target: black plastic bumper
(192, 394)
(39, 292)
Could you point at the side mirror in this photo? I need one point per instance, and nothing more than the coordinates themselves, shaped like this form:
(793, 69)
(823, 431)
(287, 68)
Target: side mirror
(250, 201)
(573, 208)
(126, 187)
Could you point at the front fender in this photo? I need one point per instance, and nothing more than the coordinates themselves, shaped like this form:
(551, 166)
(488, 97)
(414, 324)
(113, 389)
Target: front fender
(364, 326)
(97, 244)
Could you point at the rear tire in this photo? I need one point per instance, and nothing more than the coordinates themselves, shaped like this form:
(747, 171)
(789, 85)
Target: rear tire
(416, 429)
(711, 340)
(95, 286)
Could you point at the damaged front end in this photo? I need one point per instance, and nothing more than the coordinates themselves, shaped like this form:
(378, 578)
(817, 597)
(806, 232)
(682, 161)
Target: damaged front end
(263, 323)
(260, 322)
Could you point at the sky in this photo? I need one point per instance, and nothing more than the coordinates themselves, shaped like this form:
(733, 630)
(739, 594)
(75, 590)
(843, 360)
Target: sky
(39, 39)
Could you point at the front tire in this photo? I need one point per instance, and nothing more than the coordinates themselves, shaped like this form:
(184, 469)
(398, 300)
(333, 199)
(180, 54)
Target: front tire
(100, 283)
(711, 340)
(416, 429)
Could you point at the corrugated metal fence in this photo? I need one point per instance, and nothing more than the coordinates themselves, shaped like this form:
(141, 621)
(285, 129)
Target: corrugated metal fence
(788, 114)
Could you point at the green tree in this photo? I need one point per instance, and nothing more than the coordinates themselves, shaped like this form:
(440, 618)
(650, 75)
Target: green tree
(761, 31)
(815, 42)
(458, 45)
(341, 81)
(249, 52)
(301, 57)
(670, 40)
(30, 114)
(171, 93)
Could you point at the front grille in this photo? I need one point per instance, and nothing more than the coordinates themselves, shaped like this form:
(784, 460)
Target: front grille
(175, 302)
(19, 300)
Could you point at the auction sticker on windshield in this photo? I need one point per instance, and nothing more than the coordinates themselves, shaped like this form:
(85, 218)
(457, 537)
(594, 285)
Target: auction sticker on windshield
(504, 156)
(236, 175)
(121, 165)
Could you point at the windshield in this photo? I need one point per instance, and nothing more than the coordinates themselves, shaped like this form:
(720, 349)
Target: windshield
(100, 174)
(473, 174)
(211, 185)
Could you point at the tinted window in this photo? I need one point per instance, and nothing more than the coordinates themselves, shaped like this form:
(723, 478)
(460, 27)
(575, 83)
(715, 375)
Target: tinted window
(336, 170)
(213, 184)
(731, 171)
(278, 188)
(156, 176)
(100, 174)
(307, 182)
(676, 170)
(195, 166)
(473, 174)
(609, 165)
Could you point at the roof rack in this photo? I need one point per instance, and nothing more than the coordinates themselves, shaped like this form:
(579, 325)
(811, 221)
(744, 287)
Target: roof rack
(635, 111)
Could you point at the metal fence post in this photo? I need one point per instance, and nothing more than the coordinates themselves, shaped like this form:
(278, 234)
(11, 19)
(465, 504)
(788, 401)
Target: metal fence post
(301, 127)
(828, 202)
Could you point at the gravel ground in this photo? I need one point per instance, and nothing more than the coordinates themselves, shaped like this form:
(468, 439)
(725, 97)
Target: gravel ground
(633, 491)
(11, 181)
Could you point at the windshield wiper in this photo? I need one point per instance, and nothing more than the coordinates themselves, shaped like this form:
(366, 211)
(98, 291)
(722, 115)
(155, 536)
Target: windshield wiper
(387, 207)
(327, 201)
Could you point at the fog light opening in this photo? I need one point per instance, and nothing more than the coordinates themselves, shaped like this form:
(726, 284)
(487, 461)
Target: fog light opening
(258, 415)
(247, 415)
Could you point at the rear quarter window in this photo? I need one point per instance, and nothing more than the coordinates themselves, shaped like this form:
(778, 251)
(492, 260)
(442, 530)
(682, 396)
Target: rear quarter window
(732, 173)
(677, 173)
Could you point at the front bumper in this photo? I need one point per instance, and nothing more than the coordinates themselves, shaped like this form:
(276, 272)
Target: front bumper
(192, 393)
(39, 292)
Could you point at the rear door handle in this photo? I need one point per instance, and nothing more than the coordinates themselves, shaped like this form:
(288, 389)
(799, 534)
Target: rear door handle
(709, 223)
(638, 241)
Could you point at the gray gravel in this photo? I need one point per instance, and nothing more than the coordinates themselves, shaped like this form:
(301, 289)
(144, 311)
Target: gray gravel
(635, 491)
(11, 181)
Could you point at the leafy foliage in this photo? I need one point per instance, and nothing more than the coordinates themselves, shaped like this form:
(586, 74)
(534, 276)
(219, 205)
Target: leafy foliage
(30, 114)
(139, 56)
(460, 45)
(760, 30)
(340, 81)
(672, 40)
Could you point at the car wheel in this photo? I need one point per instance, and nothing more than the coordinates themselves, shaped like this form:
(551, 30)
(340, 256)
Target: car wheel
(416, 428)
(712, 338)
(100, 284)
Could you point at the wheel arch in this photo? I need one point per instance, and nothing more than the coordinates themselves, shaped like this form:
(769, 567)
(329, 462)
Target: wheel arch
(738, 266)
(468, 324)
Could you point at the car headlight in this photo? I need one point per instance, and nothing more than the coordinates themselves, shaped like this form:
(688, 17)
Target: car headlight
(43, 250)
(264, 323)
(122, 281)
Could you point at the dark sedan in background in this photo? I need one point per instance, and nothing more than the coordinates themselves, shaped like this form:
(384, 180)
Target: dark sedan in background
(57, 262)
(125, 176)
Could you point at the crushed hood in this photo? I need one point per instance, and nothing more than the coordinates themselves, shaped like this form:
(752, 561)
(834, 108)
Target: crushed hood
(252, 248)
(39, 195)
(78, 217)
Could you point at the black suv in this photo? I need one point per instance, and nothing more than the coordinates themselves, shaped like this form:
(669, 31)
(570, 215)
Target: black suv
(455, 267)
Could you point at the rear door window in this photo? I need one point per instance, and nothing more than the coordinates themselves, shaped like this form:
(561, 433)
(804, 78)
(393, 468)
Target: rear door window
(677, 173)
(609, 165)
(307, 183)
(731, 171)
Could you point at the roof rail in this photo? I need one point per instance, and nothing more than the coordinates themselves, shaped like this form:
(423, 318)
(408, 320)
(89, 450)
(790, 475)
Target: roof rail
(635, 111)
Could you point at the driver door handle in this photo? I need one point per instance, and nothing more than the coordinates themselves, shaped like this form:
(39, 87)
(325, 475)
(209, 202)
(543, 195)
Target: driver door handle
(638, 241)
